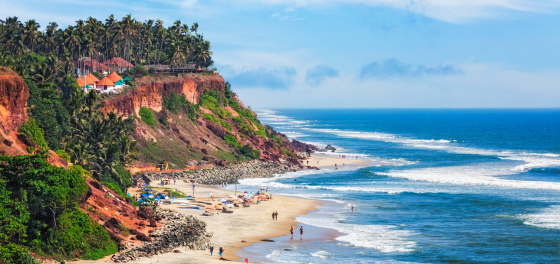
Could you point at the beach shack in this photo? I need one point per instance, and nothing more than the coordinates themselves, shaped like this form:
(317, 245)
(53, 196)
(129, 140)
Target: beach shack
(93, 65)
(119, 85)
(140, 180)
(117, 64)
(105, 86)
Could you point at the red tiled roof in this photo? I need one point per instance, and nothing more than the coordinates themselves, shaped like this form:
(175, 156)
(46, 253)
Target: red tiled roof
(96, 65)
(87, 82)
(105, 81)
(119, 62)
(114, 77)
(92, 77)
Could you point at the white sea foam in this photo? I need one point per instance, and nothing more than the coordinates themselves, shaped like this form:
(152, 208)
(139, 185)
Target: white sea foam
(547, 218)
(383, 238)
(480, 174)
(321, 254)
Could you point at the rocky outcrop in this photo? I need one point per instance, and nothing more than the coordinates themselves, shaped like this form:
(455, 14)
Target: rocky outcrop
(303, 147)
(151, 90)
(178, 230)
(232, 173)
(13, 110)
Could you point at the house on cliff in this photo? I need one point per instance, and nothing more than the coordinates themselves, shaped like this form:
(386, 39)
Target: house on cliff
(105, 86)
(117, 64)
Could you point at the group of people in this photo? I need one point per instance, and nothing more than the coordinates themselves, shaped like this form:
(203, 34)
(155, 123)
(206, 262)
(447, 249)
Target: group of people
(165, 181)
(221, 250)
(300, 232)
(275, 215)
(224, 184)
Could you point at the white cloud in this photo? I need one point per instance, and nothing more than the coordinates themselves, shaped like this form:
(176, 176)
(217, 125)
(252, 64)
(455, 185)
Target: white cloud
(447, 10)
(483, 85)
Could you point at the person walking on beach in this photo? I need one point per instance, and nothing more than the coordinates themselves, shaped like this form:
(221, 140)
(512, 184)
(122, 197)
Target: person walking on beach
(211, 250)
(301, 232)
(221, 251)
(174, 181)
(335, 167)
(276, 214)
(273, 216)
(292, 231)
(356, 157)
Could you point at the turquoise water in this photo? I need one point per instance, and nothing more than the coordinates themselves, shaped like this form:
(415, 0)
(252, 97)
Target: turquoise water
(457, 186)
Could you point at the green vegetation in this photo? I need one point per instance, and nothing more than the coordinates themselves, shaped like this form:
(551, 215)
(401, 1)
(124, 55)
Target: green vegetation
(209, 117)
(61, 153)
(163, 120)
(147, 116)
(212, 100)
(175, 103)
(38, 204)
(232, 140)
(139, 43)
(225, 124)
(31, 130)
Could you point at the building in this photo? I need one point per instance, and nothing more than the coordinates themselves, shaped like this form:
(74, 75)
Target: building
(117, 64)
(86, 82)
(105, 86)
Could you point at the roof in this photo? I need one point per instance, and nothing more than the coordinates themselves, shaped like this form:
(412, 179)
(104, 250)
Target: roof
(142, 178)
(119, 62)
(95, 64)
(120, 82)
(87, 82)
(89, 87)
(105, 81)
(114, 77)
(92, 77)
(127, 79)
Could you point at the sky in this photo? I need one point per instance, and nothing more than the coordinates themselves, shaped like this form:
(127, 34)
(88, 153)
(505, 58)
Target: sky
(360, 53)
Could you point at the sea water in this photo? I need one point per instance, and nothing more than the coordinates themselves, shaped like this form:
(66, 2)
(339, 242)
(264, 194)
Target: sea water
(450, 186)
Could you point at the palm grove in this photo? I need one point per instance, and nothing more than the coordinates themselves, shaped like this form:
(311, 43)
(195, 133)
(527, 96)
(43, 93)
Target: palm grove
(38, 208)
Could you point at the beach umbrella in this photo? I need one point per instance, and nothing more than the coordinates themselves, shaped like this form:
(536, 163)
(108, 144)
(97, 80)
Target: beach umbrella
(263, 188)
(211, 194)
(210, 207)
(219, 207)
(232, 197)
(229, 205)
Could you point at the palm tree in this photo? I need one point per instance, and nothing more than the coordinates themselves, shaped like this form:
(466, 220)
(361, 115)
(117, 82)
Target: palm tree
(30, 34)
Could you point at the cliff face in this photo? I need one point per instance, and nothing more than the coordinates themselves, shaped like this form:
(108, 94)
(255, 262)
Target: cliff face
(13, 110)
(151, 90)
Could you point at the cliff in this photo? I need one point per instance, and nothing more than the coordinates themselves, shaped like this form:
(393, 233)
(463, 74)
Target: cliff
(150, 92)
(13, 111)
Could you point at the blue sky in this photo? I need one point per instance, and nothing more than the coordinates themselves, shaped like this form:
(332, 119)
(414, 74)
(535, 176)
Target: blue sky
(361, 53)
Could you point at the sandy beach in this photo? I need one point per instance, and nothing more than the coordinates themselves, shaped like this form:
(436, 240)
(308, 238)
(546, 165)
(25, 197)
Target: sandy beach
(246, 224)
(249, 224)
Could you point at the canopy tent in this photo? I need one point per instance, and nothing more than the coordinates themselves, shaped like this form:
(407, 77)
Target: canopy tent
(120, 82)
(88, 87)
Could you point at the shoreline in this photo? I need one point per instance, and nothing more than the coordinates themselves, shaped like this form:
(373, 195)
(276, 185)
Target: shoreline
(251, 224)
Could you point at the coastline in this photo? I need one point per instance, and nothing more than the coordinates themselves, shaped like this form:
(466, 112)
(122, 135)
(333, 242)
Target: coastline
(246, 224)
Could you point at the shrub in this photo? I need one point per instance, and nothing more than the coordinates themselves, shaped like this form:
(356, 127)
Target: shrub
(61, 153)
(210, 117)
(31, 130)
(225, 124)
(232, 140)
(163, 120)
(147, 116)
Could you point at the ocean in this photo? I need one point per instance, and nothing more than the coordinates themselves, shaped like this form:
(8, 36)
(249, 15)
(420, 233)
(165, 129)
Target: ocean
(448, 186)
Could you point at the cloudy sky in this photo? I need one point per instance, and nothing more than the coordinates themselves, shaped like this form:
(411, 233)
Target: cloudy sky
(360, 53)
